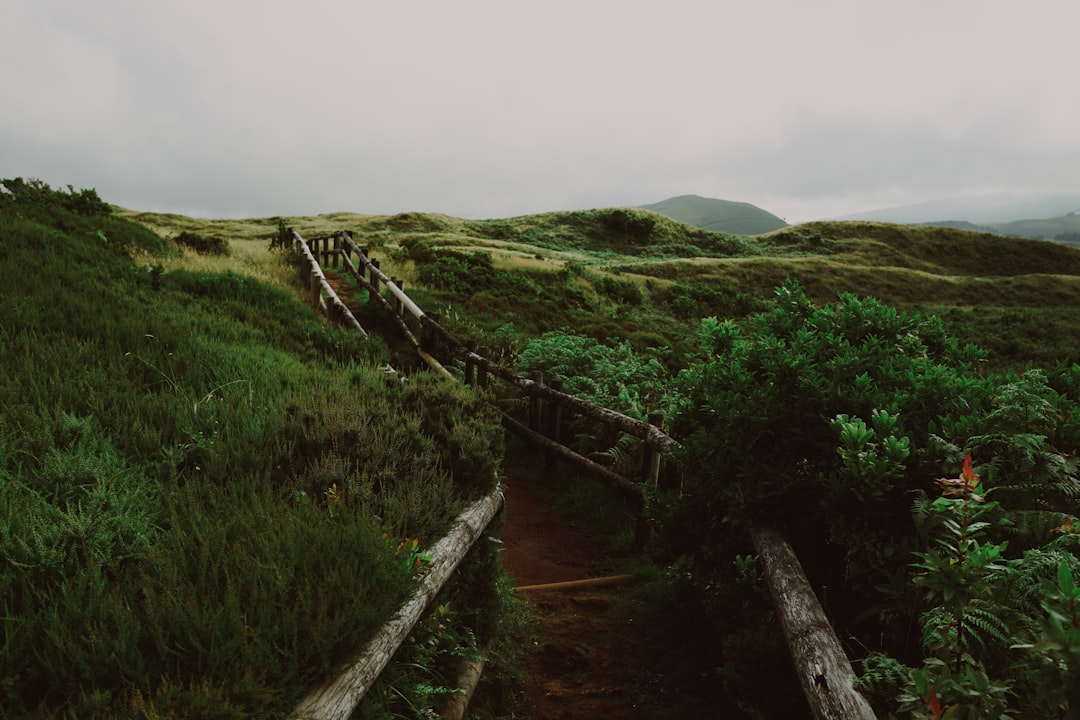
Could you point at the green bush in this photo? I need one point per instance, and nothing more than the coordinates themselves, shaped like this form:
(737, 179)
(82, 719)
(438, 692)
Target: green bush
(202, 245)
(829, 422)
(621, 291)
(37, 193)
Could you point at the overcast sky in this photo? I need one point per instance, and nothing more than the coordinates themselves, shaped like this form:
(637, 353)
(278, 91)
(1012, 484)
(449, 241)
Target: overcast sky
(495, 108)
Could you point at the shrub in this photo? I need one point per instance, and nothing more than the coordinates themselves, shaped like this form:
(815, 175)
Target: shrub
(622, 291)
(202, 245)
(816, 411)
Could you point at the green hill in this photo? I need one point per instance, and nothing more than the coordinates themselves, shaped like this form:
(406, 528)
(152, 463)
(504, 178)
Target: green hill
(718, 215)
(633, 274)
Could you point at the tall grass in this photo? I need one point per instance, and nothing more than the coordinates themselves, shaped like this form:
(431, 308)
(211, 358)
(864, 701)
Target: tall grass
(203, 486)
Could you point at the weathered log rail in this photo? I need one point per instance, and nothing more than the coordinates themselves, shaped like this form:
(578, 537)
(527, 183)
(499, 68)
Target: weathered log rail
(824, 671)
(339, 698)
(825, 674)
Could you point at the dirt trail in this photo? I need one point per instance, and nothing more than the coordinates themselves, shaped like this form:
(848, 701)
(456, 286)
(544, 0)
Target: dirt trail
(588, 659)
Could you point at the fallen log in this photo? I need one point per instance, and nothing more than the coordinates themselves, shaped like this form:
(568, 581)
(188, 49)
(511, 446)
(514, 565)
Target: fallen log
(825, 674)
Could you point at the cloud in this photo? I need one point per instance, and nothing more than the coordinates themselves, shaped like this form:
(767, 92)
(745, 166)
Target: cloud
(482, 107)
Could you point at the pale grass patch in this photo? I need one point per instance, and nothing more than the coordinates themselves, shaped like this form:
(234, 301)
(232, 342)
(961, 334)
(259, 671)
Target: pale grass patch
(249, 247)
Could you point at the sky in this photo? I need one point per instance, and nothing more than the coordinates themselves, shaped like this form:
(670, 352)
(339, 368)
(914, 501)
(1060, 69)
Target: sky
(498, 108)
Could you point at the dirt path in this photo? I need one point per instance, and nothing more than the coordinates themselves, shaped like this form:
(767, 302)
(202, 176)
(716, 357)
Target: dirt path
(588, 659)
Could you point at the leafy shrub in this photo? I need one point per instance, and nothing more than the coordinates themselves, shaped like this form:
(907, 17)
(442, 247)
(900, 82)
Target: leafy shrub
(35, 192)
(619, 290)
(459, 273)
(609, 375)
(202, 245)
(634, 224)
(819, 409)
(695, 300)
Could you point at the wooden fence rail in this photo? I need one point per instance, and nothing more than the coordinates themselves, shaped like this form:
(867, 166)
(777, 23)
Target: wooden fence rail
(652, 435)
(321, 295)
(337, 699)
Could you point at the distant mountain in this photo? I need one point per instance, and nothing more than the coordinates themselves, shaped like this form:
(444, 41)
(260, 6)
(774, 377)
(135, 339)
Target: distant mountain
(995, 209)
(1062, 229)
(726, 216)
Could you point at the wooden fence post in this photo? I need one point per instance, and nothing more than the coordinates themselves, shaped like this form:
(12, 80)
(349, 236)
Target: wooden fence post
(315, 287)
(536, 405)
(393, 298)
(375, 276)
(429, 338)
(336, 258)
(650, 465)
(554, 424)
(482, 371)
(470, 364)
(347, 247)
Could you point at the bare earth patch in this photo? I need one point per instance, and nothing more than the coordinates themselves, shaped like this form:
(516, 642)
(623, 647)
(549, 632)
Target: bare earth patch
(587, 659)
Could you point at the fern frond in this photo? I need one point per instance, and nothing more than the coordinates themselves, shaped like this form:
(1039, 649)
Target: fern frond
(984, 625)
(1036, 526)
(625, 455)
(922, 512)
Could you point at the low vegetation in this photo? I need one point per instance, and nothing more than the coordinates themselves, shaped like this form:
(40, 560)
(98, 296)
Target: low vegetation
(210, 497)
(900, 400)
(796, 404)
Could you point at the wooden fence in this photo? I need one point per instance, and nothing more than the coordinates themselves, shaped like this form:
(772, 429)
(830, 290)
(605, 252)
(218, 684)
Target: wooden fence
(550, 407)
(824, 672)
(321, 296)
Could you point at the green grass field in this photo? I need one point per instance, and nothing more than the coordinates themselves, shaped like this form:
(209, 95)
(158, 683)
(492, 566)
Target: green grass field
(204, 487)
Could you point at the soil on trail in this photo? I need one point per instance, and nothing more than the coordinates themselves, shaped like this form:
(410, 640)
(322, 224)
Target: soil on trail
(587, 658)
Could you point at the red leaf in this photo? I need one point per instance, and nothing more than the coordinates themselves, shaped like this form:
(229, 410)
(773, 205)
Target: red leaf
(933, 702)
(969, 469)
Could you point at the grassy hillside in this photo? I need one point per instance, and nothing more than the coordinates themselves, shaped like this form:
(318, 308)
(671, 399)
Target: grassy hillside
(203, 486)
(647, 278)
(641, 283)
(718, 215)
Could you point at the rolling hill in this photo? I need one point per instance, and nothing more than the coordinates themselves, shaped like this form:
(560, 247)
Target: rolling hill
(718, 215)
(632, 274)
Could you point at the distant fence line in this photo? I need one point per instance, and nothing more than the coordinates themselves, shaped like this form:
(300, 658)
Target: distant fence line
(321, 296)
(550, 407)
